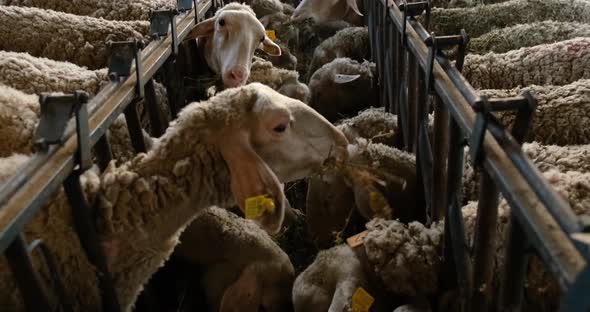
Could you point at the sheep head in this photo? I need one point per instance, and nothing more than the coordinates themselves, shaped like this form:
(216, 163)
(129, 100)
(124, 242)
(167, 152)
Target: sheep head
(230, 39)
(326, 10)
(280, 140)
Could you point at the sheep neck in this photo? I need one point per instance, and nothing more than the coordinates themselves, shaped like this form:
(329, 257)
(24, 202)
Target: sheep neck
(163, 192)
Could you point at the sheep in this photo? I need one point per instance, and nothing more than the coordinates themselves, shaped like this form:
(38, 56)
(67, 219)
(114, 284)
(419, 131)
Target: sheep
(232, 59)
(373, 124)
(64, 37)
(484, 18)
(544, 157)
(18, 115)
(326, 11)
(241, 143)
(547, 64)
(329, 283)
(561, 115)
(350, 42)
(284, 81)
(527, 35)
(342, 88)
(260, 277)
(108, 9)
(337, 192)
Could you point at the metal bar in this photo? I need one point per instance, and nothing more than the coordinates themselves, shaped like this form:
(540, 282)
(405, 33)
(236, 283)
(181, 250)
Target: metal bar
(86, 230)
(485, 243)
(554, 246)
(440, 153)
(158, 122)
(134, 127)
(174, 86)
(413, 104)
(28, 281)
(104, 154)
(395, 66)
(47, 170)
(515, 268)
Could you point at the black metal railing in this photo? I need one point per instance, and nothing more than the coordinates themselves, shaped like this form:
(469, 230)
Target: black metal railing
(416, 79)
(69, 126)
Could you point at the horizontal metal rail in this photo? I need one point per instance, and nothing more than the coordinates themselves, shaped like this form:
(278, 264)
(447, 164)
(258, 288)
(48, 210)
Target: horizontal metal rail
(545, 217)
(24, 193)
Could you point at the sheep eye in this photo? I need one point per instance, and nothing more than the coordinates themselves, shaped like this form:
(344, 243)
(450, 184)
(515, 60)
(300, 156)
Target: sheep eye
(221, 22)
(280, 128)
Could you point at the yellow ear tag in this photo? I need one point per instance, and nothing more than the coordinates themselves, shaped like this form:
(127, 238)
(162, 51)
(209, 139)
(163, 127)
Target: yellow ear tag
(271, 34)
(357, 240)
(377, 201)
(257, 205)
(361, 300)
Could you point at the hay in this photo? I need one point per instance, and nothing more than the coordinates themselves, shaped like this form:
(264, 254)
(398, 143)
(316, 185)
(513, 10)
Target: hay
(527, 35)
(482, 19)
(296, 242)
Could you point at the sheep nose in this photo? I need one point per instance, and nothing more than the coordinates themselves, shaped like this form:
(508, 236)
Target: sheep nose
(236, 77)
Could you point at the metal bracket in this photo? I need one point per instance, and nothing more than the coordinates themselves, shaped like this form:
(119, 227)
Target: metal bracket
(524, 117)
(411, 10)
(184, 5)
(56, 111)
(439, 42)
(122, 55)
(482, 109)
(160, 21)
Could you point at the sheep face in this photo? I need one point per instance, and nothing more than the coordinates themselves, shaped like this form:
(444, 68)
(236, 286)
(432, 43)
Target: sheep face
(260, 287)
(327, 10)
(281, 140)
(230, 39)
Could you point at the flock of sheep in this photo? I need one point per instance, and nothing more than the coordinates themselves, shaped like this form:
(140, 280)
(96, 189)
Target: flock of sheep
(282, 112)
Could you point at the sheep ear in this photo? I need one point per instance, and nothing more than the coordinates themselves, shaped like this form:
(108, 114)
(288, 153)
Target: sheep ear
(270, 47)
(265, 20)
(250, 177)
(203, 29)
(353, 5)
(243, 294)
(342, 78)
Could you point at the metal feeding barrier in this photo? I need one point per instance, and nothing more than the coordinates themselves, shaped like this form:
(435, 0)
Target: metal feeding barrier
(69, 126)
(416, 78)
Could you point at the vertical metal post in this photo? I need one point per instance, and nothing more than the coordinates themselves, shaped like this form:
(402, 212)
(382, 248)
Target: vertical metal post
(515, 268)
(134, 127)
(440, 153)
(414, 91)
(395, 57)
(104, 154)
(174, 86)
(485, 242)
(28, 281)
(85, 227)
(158, 123)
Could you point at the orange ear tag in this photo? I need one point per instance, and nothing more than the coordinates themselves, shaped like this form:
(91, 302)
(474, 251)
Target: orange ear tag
(361, 300)
(271, 34)
(357, 240)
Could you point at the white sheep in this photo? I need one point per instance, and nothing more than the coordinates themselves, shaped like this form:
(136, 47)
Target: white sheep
(374, 124)
(18, 116)
(326, 11)
(81, 40)
(557, 63)
(352, 42)
(484, 18)
(561, 115)
(245, 269)
(107, 9)
(342, 88)
(285, 81)
(527, 35)
(232, 59)
(243, 142)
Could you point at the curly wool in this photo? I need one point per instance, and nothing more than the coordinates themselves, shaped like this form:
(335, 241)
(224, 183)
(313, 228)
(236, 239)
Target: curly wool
(562, 114)
(351, 42)
(63, 37)
(544, 157)
(405, 256)
(484, 18)
(337, 100)
(284, 81)
(527, 35)
(547, 64)
(18, 117)
(374, 124)
(107, 9)
(39, 74)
